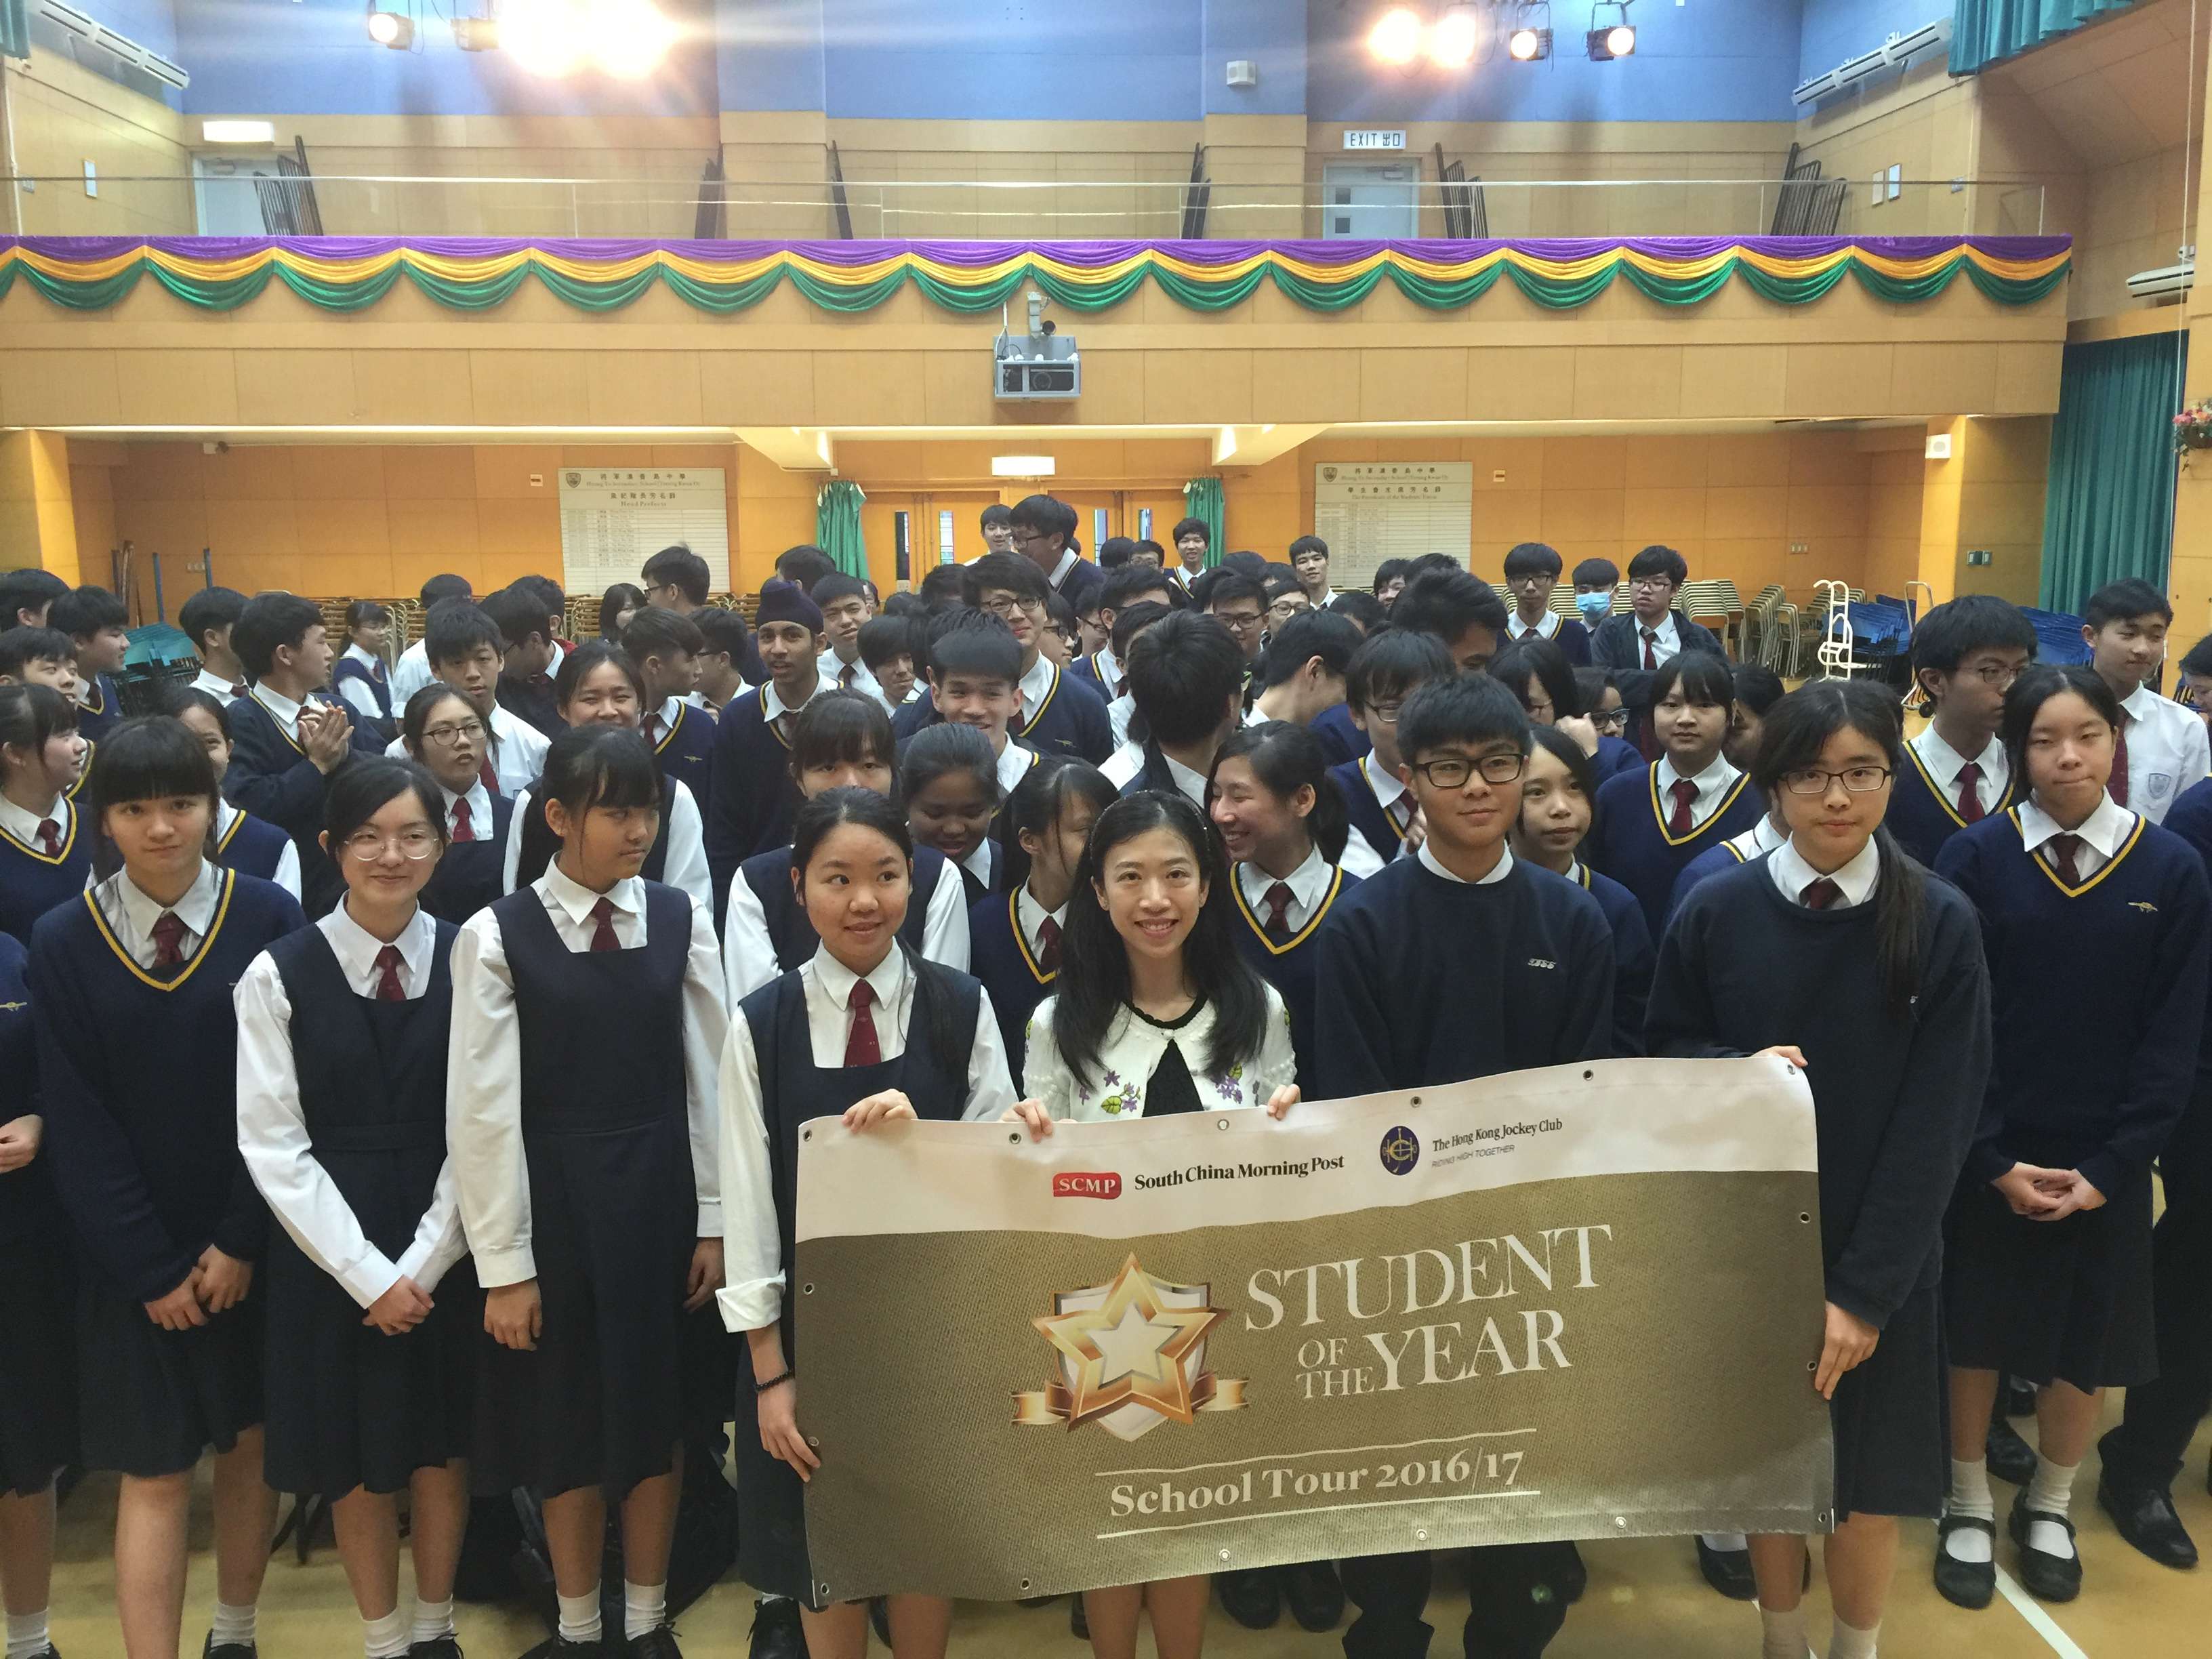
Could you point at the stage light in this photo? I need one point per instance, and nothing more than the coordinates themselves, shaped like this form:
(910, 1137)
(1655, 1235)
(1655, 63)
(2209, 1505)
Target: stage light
(389, 29)
(628, 38)
(476, 34)
(545, 37)
(1453, 41)
(1527, 45)
(1396, 35)
(1620, 41)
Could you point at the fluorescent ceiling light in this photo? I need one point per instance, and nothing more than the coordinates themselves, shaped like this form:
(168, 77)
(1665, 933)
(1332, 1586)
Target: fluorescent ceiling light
(238, 132)
(1021, 466)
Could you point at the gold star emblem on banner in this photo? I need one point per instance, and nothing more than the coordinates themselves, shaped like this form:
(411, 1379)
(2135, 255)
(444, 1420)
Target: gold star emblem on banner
(1130, 1348)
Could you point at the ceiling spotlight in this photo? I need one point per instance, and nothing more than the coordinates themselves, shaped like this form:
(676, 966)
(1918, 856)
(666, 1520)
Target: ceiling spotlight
(1396, 35)
(1620, 41)
(628, 38)
(1453, 41)
(389, 29)
(476, 34)
(545, 37)
(1527, 45)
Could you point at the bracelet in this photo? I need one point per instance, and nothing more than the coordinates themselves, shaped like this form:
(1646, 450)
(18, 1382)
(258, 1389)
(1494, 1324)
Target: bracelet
(775, 1381)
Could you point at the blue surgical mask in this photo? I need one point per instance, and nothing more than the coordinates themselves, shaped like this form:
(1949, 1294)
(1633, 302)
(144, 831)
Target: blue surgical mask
(1595, 607)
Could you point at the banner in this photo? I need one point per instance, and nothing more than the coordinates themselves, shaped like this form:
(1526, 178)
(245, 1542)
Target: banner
(1577, 1303)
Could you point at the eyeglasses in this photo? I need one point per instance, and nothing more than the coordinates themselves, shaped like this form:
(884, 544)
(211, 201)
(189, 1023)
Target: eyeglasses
(1453, 772)
(1005, 604)
(1385, 712)
(2000, 676)
(1650, 584)
(1239, 622)
(1813, 781)
(447, 736)
(413, 844)
(1610, 719)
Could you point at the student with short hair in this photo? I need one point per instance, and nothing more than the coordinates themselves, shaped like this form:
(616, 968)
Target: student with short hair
(528, 655)
(2192, 687)
(1186, 674)
(240, 842)
(28, 596)
(867, 1029)
(1061, 642)
(96, 622)
(1238, 602)
(206, 620)
(1537, 672)
(412, 671)
(1390, 578)
(2162, 748)
(1651, 823)
(1601, 696)
(616, 606)
(943, 587)
(1193, 544)
(1285, 598)
(843, 602)
(1044, 534)
(1103, 670)
(1150, 552)
(130, 992)
(445, 736)
(996, 522)
(951, 785)
(666, 647)
(1302, 676)
(1758, 688)
(1457, 609)
(1649, 635)
(462, 644)
(1596, 581)
(1532, 571)
(556, 603)
(1058, 714)
(1965, 656)
(39, 656)
(588, 1173)
(888, 648)
(975, 681)
(1115, 552)
(46, 847)
(1308, 557)
(727, 642)
(749, 781)
(1461, 962)
(1366, 612)
(344, 1134)
(676, 578)
(1837, 953)
(1129, 622)
(1384, 671)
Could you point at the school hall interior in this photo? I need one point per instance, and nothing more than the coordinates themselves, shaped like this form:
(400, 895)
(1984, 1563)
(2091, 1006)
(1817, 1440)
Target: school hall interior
(1860, 305)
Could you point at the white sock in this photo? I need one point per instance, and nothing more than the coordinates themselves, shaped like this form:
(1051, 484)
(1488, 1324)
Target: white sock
(1723, 1543)
(580, 1616)
(1784, 1637)
(27, 1634)
(386, 1638)
(2050, 1494)
(432, 1620)
(1970, 1496)
(645, 1607)
(1849, 1644)
(231, 1624)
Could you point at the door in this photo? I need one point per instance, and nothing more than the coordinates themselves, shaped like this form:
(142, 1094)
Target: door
(1370, 203)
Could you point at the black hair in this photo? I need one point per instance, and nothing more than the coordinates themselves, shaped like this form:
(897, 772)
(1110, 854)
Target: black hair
(997, 512)
(1115, 551)
(975, 642)
(721, 629)
(1447, 603)
(1191, 527)
(804, 565)
(1227, 584)
(445, 587)
(358, 792)
(1047, 788)
(838, 585)
(598, 765)
(943, 586)
(2197, 664)
(1148, 545)
(902, 604)
(1533, 559)
(1279, 580)
(1246, 562)
(365, 613)
(1392, 663)
(1308, 544)
(1287, 758)
(679, 567)
(269, 623)
(208, 609)
(622, 596)
(1122, 586)
(1756, 687)
(2119, 601)
(552, 600)
(151, 757)
(657, 631)
(1009, 573)
(1362, 609)
(454, 629)
(1184, 672)
(1048, 516)
(1659, 561)
(588, 656)
(415, 717)
(2038, 685)
(83, 612)
(1463, 708)
(518, 613)
(1390, 570)
(817, 817)
(845, 728)
(1593, 682)
(19, 645)
(26, 590)
(1951, 632)
(174, 697)
(1581, 768)
(1791, 735)
(30, 714)
(1132, 620)
(1090, 999)
(1421, 564)
(886, 637)
(1530, 658)
(1309, 635)
(1597, 573)
(1061, 614)
(1702, 677)
(937, 751)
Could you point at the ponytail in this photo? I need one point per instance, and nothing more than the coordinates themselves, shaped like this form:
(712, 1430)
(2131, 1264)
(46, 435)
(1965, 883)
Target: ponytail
(1901, 908)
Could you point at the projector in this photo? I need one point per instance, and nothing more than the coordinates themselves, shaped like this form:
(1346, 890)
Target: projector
(1041, 365)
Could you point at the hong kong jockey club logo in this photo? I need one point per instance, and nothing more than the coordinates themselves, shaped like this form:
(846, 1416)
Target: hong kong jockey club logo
(1132, 1355)
(1401, 1150)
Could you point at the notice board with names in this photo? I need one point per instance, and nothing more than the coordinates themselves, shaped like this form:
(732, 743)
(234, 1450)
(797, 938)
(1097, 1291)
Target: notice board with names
(613, 519)
(1371, 511)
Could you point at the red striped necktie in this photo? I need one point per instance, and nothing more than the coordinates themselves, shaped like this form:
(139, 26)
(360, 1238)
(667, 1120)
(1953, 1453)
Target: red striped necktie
(1685, 793)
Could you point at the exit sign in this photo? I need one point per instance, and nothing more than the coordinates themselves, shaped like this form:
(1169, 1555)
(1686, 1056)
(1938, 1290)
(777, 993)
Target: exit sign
(1375, 138)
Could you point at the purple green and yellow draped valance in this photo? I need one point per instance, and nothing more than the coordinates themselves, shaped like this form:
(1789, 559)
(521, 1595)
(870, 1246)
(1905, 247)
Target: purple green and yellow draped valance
(350, 273)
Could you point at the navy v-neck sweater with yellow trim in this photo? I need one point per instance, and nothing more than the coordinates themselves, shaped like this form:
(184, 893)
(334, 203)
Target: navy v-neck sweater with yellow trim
(1628, 839)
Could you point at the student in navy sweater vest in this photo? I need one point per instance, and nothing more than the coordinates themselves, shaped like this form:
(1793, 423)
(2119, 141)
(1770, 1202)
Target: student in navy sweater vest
(1461, 962)
(666, 648)
(1385, 671)
(588, 1177)
(1044, 533)
(1965, 656)
(45, 845)
(1532, 571)
(1555, 816)
(38, 1363)
(446, 737)
(242, 842)
(95, 621)
(2095, 924)
(842, 741)
(143, 1136)
(1837, 953)
(866, 1029)
(359, 676)
(749, 781)
(1635, 645)
(1651, 823)
(342, 1038)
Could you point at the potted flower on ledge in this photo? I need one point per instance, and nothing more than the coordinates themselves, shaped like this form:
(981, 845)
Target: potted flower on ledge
(2192, 428)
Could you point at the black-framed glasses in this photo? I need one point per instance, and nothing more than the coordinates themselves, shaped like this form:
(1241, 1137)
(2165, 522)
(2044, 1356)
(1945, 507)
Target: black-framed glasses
(447, 736)
(1610, 719)
(1453, 771)
(1814, 780)
(1240, 621)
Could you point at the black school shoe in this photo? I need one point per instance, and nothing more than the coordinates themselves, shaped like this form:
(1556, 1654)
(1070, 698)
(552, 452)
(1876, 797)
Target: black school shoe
(659, 1643)
(228, 1649)
(1314, 1594)
(879, 1618)
(1727, 1571)
(2146, 1517)
(2018, 1398)
(2011, 1459)
(1250, 1595)
(562, 1647)
(438, 1647)
(2048, 1578)
(776, 1633)
(1968, 1584)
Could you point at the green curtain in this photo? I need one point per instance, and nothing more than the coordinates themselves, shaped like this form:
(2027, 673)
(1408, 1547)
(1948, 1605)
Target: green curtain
(15, 28)
(2108, 507)
(1201, 499)
(837, 525)
(1985, 32)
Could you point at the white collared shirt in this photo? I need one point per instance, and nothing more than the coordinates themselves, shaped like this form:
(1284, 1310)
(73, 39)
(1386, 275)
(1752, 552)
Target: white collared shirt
(518, 750)
(1030, 915)
(1665, 647)
(480, 809)
(272, 1127)
(1308, 884)
(222, 690)
(483, 1104)
(23, 824)
(287, 875)
(2102, 834)
(982, 862)
(1389, 791)
(1944, 763)
(1855, 880)
(748, 954)
(1036, 685)
(1014, 761)
(1110, 670)
(1123, 766)
(773, 707)
(684, 867)
(752, 1292)
(281, 710)
(363, 701)
(829, 666)
(131, 915)
(409, 674)
(1498, 872)
(1068, 560)
(2168, 750)
(1545, 627)
(1713, 783)
(1761, 838)
(1121, 1078)
(1118, 715)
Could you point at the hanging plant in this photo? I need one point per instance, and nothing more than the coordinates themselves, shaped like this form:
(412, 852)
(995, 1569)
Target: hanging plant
(2192, 428)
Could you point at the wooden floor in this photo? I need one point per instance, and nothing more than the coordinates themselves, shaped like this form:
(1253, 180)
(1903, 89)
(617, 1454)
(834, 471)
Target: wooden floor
(1644, 1598)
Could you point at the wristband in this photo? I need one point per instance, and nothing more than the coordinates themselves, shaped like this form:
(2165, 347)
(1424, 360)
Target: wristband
(775, 1381)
